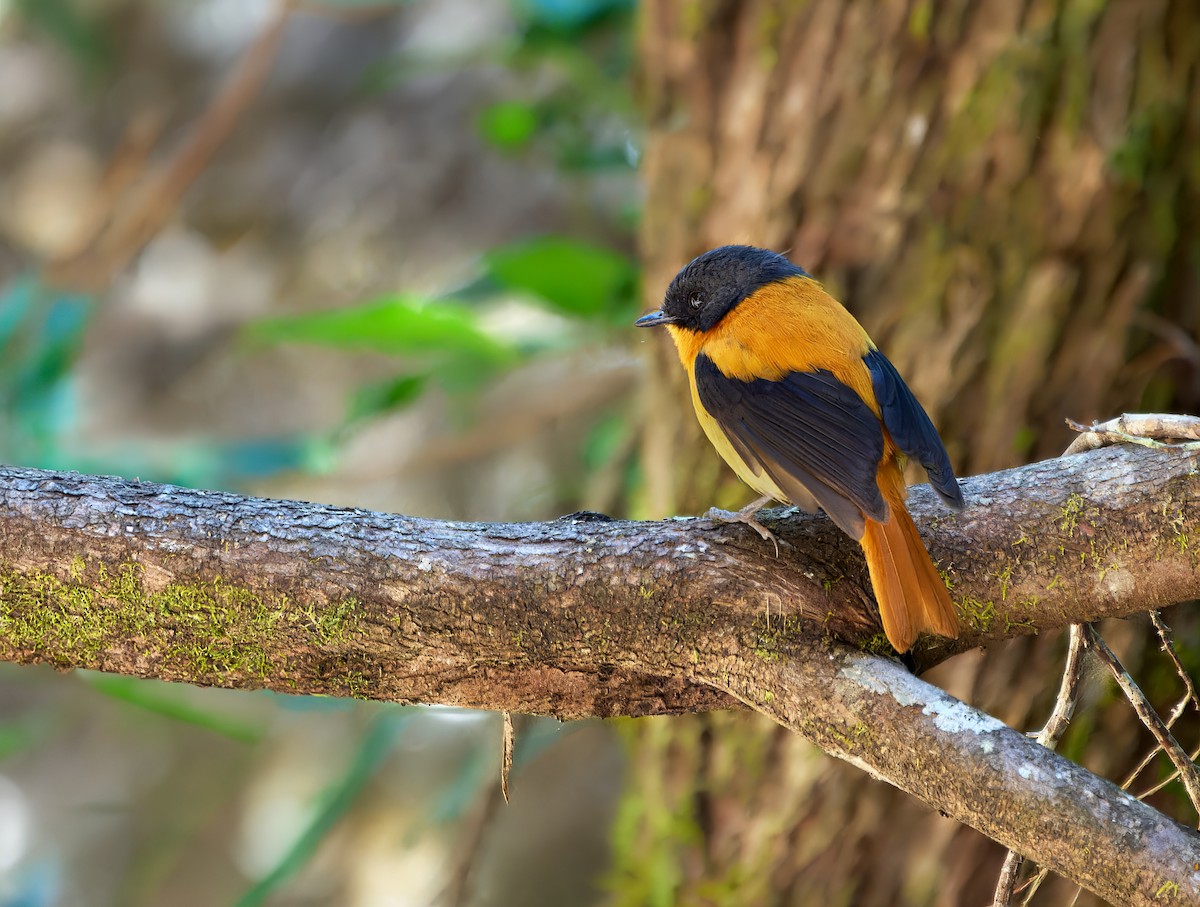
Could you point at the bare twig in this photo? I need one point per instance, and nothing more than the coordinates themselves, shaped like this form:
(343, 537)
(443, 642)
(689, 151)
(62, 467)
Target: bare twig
(1068, 691)
(1010, 871)
(1180, 707)
(1048, 736)
(469, 845)
(1151, 791)
(1158, 430)
(1012, 863)
(1030, 888)
(1190, 696)
(506, 752)
(1149, 717)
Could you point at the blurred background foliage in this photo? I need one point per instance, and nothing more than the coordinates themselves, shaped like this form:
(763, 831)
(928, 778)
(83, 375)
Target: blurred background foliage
(398, 276)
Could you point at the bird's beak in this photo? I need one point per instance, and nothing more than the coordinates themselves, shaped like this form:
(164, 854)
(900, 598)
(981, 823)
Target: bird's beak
(654, 319)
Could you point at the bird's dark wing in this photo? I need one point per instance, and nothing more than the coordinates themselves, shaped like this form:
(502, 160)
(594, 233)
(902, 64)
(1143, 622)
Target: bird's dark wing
(806, 429)
(910, 427)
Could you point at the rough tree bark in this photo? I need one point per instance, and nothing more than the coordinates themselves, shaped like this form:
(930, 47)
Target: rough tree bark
(218, 589)
(1001, 192)
(587, 616)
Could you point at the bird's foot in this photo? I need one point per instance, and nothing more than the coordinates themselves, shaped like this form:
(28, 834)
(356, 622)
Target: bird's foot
(746, 515)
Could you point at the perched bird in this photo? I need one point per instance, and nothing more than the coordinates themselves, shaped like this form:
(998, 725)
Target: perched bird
(796, 398)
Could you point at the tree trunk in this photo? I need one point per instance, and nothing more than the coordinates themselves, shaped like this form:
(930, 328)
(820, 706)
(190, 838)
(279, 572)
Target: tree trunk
(1006, 195)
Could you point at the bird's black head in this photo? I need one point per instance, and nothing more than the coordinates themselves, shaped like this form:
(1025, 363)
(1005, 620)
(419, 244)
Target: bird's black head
(711, 285)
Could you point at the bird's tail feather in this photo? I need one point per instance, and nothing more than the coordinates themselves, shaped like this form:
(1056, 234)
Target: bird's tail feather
(911, 594)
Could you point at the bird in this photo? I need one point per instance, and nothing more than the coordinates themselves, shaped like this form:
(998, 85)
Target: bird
(798, 400)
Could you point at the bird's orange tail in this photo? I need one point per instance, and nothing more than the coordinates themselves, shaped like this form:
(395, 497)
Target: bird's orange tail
(912, 596)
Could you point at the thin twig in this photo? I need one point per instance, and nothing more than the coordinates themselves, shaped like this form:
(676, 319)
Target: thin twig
(1164, 634)
(1151, 791)
(1180, 707)
(1150, 718)
(1007, 882)
(508, 740)
(1068, 691)
(469, 845)
(1048, 736)
(1030, 888)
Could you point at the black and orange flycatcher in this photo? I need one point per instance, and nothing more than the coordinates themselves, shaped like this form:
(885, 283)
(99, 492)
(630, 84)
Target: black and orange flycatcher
(794, 395)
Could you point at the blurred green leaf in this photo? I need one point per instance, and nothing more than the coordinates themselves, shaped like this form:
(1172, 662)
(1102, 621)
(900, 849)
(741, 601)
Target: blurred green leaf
(454, 798)
(15, 302)
(21, 734)
(255, 458)
(41, 331)
(572, 277)
(571, 15)
(385, 396)
(508, 125)
(66, 24)
(395, 325)
(171, 701)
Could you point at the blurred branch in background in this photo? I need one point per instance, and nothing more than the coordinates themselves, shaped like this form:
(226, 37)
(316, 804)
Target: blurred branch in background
(142, 207)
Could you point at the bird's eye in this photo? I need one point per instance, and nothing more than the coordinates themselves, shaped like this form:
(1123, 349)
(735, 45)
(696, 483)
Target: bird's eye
(696, 302)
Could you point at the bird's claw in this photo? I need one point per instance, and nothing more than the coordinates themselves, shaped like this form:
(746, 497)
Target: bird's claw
(747, 516)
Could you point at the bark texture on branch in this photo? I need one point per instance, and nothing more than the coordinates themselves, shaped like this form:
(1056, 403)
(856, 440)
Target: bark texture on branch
(585, 616)
(573, 617)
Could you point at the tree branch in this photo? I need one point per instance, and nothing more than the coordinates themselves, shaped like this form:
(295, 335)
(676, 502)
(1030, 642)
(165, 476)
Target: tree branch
(1048, 736)
(582, 617)
(977, 770)
(574, 617)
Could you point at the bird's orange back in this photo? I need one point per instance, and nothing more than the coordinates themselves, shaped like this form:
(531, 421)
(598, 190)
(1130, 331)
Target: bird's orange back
(791, 325)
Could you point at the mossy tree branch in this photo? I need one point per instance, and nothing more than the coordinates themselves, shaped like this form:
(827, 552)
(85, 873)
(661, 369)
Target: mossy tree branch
(584, 616)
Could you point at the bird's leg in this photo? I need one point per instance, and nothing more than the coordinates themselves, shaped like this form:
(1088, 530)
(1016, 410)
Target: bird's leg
(746, 515)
